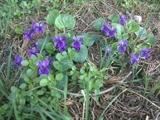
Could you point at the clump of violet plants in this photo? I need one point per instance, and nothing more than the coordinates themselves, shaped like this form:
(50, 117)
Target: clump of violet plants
(52, 62)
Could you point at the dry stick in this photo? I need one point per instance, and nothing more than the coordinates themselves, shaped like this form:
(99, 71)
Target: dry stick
(102, 92)
(144, 98)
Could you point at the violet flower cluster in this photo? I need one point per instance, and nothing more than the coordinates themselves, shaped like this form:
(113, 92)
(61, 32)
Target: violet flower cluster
(61, 45)
(122, 19)
(107, 50)
(34, 50)
(134, 58)
(17, 60)
(36, 28)
(108, 29)
(42, 66)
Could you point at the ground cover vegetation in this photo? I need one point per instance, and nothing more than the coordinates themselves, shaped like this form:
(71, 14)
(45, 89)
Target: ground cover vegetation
(77, 59)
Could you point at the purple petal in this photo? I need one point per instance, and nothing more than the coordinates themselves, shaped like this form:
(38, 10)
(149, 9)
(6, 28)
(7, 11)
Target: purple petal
(122, 16)
(45, 62)
(46, 71)
(121, 21)
(39, 63)
(134, 58)
(56, 37)
(76, 45)
(106, 56)
(104, 49)
(42, 24)
(74, 38)
(61, 49)
(80, 39)
(62, 38)
(121, 48)
(43, 71)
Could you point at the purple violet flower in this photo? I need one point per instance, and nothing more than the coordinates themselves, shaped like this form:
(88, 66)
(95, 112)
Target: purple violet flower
(59, 42)
(76, 42)
(108, 50)
(42, 66)
(34, 49)
(144, 52)
(122, 19)
(122, 45)
(38, 27)
(27, 34)
(108, 30)
(17, 60)
(134, 58)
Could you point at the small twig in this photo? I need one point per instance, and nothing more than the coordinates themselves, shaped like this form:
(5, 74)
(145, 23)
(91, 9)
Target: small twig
(102, 92)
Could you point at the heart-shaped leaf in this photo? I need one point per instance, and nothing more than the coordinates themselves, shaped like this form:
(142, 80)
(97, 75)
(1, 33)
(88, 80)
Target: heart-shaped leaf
(65, 21)
(81, 55)
(43, 82)
(133, 27)
(124, 36)
(25, 62)
(89, 39)
(151, 39)
(141, 33)
(52, 15)
(59, 76)
(50, 48)
(97, 24)
(43, 42)
(114, 18)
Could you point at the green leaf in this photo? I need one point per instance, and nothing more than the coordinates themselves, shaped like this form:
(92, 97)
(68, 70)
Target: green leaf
(43, 82)
(62, 55)
(40, 92)
(52, 16)
(133, 27)
(43, 41)
(59, 76)
(50, 48)
(97, 24)
(65, 21)
(120, 28)
(151, 39)
(66, 64)
(23, 86)
(103, 43)
(25, 63)
(124, 36)
(26, 78)
(22, 101)
(141, 33)
(81, 55)
(57, 65)
(29, 72)
(114, 18)
(89, 39)
(18, 29)
(114, 47)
